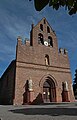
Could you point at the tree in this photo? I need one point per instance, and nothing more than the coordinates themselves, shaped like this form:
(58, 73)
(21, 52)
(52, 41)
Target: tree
(70, 5)
(75, 83)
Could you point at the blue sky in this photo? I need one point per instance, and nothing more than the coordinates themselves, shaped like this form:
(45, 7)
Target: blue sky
(16, 17)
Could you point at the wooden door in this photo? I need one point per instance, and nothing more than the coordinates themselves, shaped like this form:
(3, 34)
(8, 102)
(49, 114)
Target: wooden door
(46, 94)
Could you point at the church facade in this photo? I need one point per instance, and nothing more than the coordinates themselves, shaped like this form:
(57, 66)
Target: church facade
(40, 73)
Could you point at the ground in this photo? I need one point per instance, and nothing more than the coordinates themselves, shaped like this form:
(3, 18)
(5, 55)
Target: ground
(66, 111)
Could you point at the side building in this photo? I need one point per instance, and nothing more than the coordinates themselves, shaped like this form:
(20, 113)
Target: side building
(7, 84)
(40, 73)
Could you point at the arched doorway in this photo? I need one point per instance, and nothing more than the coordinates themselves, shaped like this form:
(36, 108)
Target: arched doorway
(49, 91)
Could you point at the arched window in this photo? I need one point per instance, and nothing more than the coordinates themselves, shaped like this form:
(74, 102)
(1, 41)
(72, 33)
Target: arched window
(41, 27)
(50, 42)
(40, 39)
(48, 29)
(46, 60)
(44, 21)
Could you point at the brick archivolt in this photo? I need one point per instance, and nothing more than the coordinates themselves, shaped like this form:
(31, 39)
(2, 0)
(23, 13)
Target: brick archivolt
(45, 77)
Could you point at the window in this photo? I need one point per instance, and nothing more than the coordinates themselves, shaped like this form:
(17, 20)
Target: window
(46, 60)
(48, 29)
(44, 21)
(41, 27)
(40, 39)
(50, 42)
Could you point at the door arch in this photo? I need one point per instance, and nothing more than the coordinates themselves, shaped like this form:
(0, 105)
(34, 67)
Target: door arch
(49, 91)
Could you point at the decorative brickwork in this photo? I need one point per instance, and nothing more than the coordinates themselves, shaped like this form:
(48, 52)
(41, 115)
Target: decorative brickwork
(41, 69)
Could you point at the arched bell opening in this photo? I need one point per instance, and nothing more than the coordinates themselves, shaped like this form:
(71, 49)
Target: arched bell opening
(40, 39)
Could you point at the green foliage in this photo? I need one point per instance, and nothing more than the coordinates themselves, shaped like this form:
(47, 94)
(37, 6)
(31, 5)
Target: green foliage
(75, 79)
(70, 5)
(40, 4)
(75, 83)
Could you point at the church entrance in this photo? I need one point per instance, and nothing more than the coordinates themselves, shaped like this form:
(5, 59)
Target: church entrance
(46, 92)
(49, 91)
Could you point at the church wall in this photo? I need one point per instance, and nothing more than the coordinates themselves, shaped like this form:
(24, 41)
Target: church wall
(24, 73)
(36, 61)
(30, 63)
(36, 55)
(7, 85)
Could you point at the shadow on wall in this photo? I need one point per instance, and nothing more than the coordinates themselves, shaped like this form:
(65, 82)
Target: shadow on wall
(38, 100)
(26, 99)
(25, 93)
(47, 111)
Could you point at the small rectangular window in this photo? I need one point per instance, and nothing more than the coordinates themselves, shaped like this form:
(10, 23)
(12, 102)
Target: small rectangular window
(44, 21)
(41, 27)
(48, 29)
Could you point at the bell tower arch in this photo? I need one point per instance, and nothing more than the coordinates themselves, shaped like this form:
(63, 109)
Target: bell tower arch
(43, 34)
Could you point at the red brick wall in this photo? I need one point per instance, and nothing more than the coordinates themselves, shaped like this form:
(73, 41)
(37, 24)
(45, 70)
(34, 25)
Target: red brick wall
(8, 85)
(30, 63)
